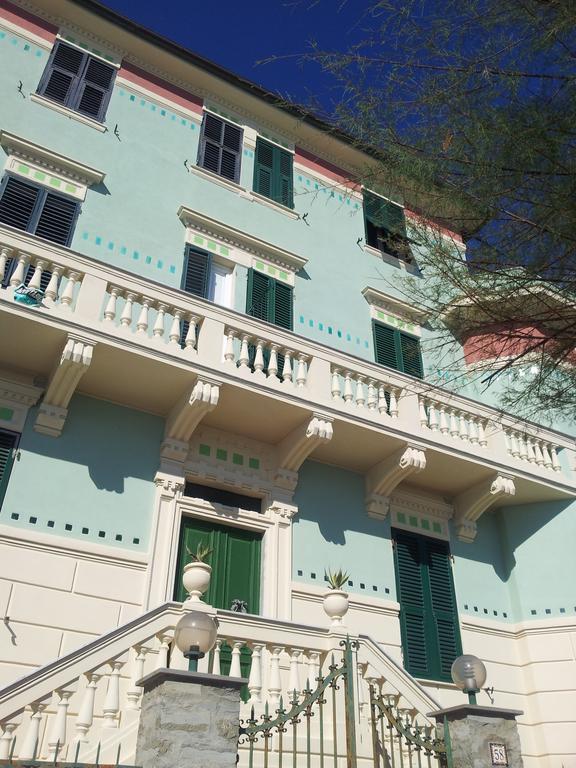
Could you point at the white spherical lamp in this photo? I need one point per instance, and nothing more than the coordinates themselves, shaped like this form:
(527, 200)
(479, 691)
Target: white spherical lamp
(469, 674)
(195, 636)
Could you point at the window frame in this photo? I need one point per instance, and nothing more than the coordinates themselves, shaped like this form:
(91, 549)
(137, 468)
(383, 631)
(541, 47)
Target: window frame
(271, 304)
(5, 477)
(397, 340)
(276, 175)
(385, 240)
(200, 162)
(79, 82)
(38, 208)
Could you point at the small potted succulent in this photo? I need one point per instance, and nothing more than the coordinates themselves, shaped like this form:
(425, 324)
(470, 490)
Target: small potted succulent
(335, 599)
(197, 572)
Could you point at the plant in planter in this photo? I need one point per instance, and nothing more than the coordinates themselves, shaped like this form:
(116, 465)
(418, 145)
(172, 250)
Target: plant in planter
(335, 599)
(197, 572)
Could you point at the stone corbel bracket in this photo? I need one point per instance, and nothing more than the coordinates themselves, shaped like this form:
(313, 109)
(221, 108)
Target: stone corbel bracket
(472, 503)
(74, 362)
(297, 446)
(383, 478)
(185, 417)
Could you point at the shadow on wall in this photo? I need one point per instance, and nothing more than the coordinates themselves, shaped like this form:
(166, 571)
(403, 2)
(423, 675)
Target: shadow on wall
(113, 442)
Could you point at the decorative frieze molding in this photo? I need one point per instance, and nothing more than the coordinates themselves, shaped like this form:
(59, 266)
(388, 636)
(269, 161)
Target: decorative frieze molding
(297, 446)
(471, 504)
(16, 397)
(424, 514)
(74, 362)
(394, 312)
(382, 479)
(170, 485)
(185, 417)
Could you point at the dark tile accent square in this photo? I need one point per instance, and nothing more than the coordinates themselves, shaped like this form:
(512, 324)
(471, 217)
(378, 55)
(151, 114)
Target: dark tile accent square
(85, 531)
(300, 573)
(101, 534)
(68, 527)
(33, 520)
(50, 523)
(136, 541)
(118, 537)
(14, 516)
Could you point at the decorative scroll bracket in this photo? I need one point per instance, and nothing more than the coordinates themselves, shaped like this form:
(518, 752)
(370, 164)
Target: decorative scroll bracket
(383, 478)
(297, 446)
(74, 362)
(185, 417)
(472, 503)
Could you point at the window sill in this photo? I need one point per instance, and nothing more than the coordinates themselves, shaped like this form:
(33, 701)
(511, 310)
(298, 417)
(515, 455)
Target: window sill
(203, 173)
(388, 258)
(258, 198)
(68, 112)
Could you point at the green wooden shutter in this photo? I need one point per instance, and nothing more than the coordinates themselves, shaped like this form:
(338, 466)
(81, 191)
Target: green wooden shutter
(410, 581)
(283, 302)
(273, 176)
(285, 178)
(196, 272)
(385, 346)
(18, 202)
(8, 443)
(57, 218)
(411, 357)
(443, 602)
(264, 168)
(384, 214)
(259, 300)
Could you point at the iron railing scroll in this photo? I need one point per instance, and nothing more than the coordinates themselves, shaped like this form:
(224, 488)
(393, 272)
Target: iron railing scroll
(399, 741)
(277, 740)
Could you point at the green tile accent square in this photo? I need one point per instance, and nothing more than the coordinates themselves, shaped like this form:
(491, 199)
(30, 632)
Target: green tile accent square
(259, 264)
(425, 524)
(284, 275)
(198, 240)
(203, 449)
(237, 458)
(23, 168)
(39, 175)
(436, 527)
(271, 270)
(221, 454)
(401, 517)
(70, 188)
(212, 245)
(413, 521)
(55, 183)
(224, 251)
(6, 414)
(254, 463)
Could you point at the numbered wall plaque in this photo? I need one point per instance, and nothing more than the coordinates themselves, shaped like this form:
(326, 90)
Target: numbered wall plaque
(498, 754)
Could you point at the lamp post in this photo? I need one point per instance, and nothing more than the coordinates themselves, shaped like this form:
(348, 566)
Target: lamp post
(195, 636)
(469, 674)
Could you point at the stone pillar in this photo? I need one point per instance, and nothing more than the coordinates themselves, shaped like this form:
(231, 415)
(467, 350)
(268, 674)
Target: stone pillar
(188, 718)
(481, 737)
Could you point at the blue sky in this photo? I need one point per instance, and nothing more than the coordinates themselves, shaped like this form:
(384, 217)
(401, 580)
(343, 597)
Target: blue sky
(238, 35)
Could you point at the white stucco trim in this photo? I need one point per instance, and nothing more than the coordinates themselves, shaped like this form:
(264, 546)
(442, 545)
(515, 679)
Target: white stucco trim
(67, 112)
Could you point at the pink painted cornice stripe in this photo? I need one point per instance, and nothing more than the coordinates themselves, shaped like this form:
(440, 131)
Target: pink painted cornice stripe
(161, 87)
(27, 21)
(316, 163)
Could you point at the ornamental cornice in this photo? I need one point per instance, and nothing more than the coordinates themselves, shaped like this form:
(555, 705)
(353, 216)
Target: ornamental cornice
(242, 240)
(24, 149)
(406, 501)
(21, 394)
(394, 305)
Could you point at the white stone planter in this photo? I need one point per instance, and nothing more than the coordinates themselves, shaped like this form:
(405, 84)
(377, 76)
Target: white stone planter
(196, 579)
(335, 606)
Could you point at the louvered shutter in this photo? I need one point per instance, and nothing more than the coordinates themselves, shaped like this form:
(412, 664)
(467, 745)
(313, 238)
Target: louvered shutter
(196, 272)
(282, 311)
(8, 443)
(57, 218)
(259, 298)
(384, 214)
(18, 203)
(443, 606)
(285, 179)
(413, 619)
(264, 168)
(385, 346)
(273, 173)
(62, 73)
(411, 357)
(220, 147)
(231, 146)
(95, 89)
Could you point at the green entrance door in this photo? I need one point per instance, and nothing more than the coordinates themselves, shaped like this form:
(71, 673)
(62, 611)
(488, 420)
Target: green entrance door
(235, 562)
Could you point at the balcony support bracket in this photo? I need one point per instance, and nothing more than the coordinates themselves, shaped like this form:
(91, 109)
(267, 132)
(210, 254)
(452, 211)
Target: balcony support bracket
(73, 364)
(383, 478)
(297, 446)
(471, 504)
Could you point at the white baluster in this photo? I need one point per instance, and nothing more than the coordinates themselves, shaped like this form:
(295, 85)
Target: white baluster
(175, 329)
(444, 428)
(36, 279)
(287, 367)
(6, 739)
(371, 399)
(382, 404)
(273, 363)
(165, 641)
(360, 399)
(51, 291)
(244, 359)
(294, 679)
(335, 388)
(522, 446)
(190, 340)
(422, 413)
(111, 706)
(259, 357)
(432, 416)
(30, 746)
(546, 455)
(275, 681)
(4, 255)
(216, 658)
(158, 329)
(301, 371)
(142, 322)
(348, 391)
(482, 439)
(20, 272)
(111, 305)
(393, 404)
(538, 454)
(86, 713)
(255, 677)
(235, 670)
(555, 461)
(229, 351)
(454, 427)
(473, 431)
(463, 428)
(530, 451)
(126, 316)
(57, 737)
(68, 294)
(313, 668)
(135, 691)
